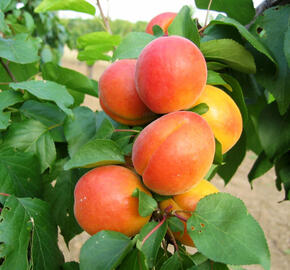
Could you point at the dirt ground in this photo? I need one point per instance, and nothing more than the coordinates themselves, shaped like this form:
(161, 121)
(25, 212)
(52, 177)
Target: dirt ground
(262, 202)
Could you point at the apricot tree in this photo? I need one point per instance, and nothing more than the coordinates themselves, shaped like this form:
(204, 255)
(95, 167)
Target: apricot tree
(136, 180)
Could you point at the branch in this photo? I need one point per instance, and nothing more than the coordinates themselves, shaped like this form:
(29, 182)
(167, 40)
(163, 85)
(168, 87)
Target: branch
(104, 18)
(6, 67)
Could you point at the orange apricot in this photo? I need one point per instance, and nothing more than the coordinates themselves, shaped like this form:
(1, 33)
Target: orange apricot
(103, 201)
(187, 202)
(170, 74)
(174, 152)
(163, 20)
(223, 116)
(118, 95)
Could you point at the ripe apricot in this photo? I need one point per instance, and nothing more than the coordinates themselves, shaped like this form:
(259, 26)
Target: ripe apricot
(118, 95)
(174, 152)
(103, 201)
(170, 74)
(163, 20)
(223, 116)
(188, 201)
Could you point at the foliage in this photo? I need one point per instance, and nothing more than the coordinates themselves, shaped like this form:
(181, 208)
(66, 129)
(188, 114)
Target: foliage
(48, 141)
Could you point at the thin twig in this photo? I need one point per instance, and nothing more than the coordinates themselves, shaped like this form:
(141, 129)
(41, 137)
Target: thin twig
(206, 18)
(172, 238)
(105, 19)
(4, 194)
(127, 130)
(180, 217)
(6, 67)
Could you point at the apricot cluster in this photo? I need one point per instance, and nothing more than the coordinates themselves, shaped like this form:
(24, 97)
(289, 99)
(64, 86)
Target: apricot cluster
(175, 151)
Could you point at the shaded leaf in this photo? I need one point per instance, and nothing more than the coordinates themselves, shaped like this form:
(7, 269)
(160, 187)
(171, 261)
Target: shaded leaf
(83, 119)
(173, 263)
(282, 169)
(9, 98)
(134, 260)
(32, 136)
(215, 78)
(175, 224)
(236, 56)
(243, 12)
(19, 173)
(104, 251)
(218, 156)
(260, 167)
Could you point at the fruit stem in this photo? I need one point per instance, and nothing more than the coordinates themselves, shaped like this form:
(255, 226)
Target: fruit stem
(206, 18)
(4, 194)
(127, 130)
(154, 229)
(180, 217)
(166, 210)
(172, 238)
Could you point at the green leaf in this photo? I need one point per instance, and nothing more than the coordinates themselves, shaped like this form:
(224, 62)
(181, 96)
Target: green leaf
(104, 251)
(237, 95)
(286, 46)
(95, 153)
(61, 200)
(212, 172)
(96, 52)
(218, 156)
(70, 266)
(160, 198)
(184, 26)
(4, 120)
(75, 5)
(258, 45)
(5, 5)
(260, 167)
(98, 38)
(3, 25)
(27, 231)
(19, 50)
(282, 170)
(224, 231)
(274, 130)
(134, 260)
(47, 90)
(271, 29)
(48, 114)
(157, 31)
(152, 244)
(9, 98)
(229, 52)
(200, 109)
(19, 173)
(173, 263)
(70, 78)
(232, 159)
(21, 72)
(83, 119)
(105, 128)
(175, 224)
(243, 12)
(132, 45)
(146, 203)
(32, 136)
(215, 78)
(215, 66)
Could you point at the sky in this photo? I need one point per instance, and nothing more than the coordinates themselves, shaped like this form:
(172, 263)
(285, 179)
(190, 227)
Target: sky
(141, 10)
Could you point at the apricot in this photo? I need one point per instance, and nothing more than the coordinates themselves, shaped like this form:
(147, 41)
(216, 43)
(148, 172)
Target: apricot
(188, 201)
(118, 95)
(103, 201)
(163, 20)
(223, 116)
(174, 152)
(170, 74)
